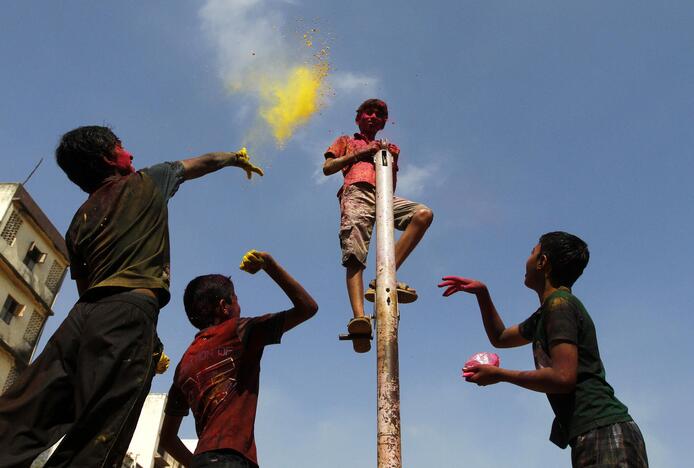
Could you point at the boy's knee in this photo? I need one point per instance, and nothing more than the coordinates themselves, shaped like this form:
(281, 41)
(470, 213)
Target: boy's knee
(423, 217)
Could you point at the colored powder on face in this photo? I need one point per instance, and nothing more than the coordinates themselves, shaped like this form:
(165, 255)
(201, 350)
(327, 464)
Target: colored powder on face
(289, 103)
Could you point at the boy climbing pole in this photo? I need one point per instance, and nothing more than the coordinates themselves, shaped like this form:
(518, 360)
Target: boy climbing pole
(354, 156)
(218, 376)
(588, 416)
(91, 379)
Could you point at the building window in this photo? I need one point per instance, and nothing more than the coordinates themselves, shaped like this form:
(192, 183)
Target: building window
(11, 309)
(9, 232)
(55, 275)
(33, 328)
(34, 256)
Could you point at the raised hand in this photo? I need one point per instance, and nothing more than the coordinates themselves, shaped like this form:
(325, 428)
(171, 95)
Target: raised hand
(453, 284)
(253, 261)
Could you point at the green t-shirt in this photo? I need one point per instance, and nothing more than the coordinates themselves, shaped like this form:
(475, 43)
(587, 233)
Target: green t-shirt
(563, 319)
(119, 237)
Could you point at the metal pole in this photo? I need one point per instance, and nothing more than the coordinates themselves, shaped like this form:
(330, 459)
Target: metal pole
(387, 317)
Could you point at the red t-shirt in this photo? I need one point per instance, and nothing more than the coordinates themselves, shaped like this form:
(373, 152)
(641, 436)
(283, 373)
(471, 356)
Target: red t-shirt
(360, 171)
(218, 379)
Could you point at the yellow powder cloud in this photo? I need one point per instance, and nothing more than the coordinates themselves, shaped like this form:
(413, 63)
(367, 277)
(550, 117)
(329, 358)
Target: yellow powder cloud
(288, 103)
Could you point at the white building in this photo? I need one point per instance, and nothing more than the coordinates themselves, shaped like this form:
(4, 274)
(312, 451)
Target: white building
(33, 262)
(144, 451)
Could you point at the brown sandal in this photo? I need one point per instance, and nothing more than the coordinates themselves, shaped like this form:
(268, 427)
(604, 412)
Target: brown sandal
(406, 294)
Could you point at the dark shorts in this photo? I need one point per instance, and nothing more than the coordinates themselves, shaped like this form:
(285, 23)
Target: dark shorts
(357, 216)
(89, 384)
(223, 458)
(618, 445)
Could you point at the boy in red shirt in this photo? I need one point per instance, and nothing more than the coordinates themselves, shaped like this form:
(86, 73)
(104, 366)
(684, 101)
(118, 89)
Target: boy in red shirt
(353, 155)
(218, 376)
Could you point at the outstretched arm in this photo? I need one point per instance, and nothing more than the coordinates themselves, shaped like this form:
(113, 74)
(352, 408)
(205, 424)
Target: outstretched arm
(170, 441)
(304, 305)
(211, 162)
(560, 377)
(499, 336)
(336, 164)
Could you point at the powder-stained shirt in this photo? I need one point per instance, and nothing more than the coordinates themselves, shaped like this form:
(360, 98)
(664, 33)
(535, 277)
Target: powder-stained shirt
(119, 237)
(563, 319)
(218, 379)
(359, 171)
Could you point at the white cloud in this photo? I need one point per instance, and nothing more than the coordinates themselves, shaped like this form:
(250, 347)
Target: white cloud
(413, 179)
(246, 35)
(348, 82)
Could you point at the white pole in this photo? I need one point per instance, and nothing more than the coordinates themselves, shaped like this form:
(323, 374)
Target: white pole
(387, 317)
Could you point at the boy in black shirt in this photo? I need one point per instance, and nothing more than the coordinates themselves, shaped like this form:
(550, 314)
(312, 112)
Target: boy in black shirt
(91, 379)
(569, 370)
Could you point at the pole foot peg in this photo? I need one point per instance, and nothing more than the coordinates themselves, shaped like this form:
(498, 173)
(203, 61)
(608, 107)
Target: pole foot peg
(361, 342)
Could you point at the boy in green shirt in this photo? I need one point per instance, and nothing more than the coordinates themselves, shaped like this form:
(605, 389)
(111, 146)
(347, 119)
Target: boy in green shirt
(588, 416)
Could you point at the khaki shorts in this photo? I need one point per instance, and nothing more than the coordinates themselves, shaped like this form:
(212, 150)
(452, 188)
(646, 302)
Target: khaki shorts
(357, 216)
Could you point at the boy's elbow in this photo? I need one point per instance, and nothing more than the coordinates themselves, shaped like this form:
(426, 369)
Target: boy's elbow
(569, 385)
(565, 383)
(498, 342)
(311, 308)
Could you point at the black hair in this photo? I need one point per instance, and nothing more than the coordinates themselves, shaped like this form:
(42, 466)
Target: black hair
(201, 298)
(567, 254)
(81, 153)
(374, 104)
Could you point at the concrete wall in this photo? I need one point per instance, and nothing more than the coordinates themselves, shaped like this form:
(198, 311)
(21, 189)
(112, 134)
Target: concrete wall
(145, 441)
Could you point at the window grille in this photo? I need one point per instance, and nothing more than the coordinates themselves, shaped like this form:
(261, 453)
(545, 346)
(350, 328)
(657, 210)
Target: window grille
(11, 377)
(55, 274)
(9, 232)
(33, 328)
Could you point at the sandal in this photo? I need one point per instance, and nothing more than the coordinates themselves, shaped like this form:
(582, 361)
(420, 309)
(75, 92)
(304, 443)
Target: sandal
(406, 294)
(359, 329)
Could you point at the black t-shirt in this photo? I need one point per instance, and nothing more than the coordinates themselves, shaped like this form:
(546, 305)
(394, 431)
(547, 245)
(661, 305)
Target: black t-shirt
(119, 237)
(563, 319)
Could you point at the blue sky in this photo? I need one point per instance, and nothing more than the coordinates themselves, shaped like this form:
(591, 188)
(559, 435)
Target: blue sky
(514, 119)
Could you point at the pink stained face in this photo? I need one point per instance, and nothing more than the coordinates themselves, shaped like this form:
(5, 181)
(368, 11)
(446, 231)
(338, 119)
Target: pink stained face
(370, 121)
(123, 160)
